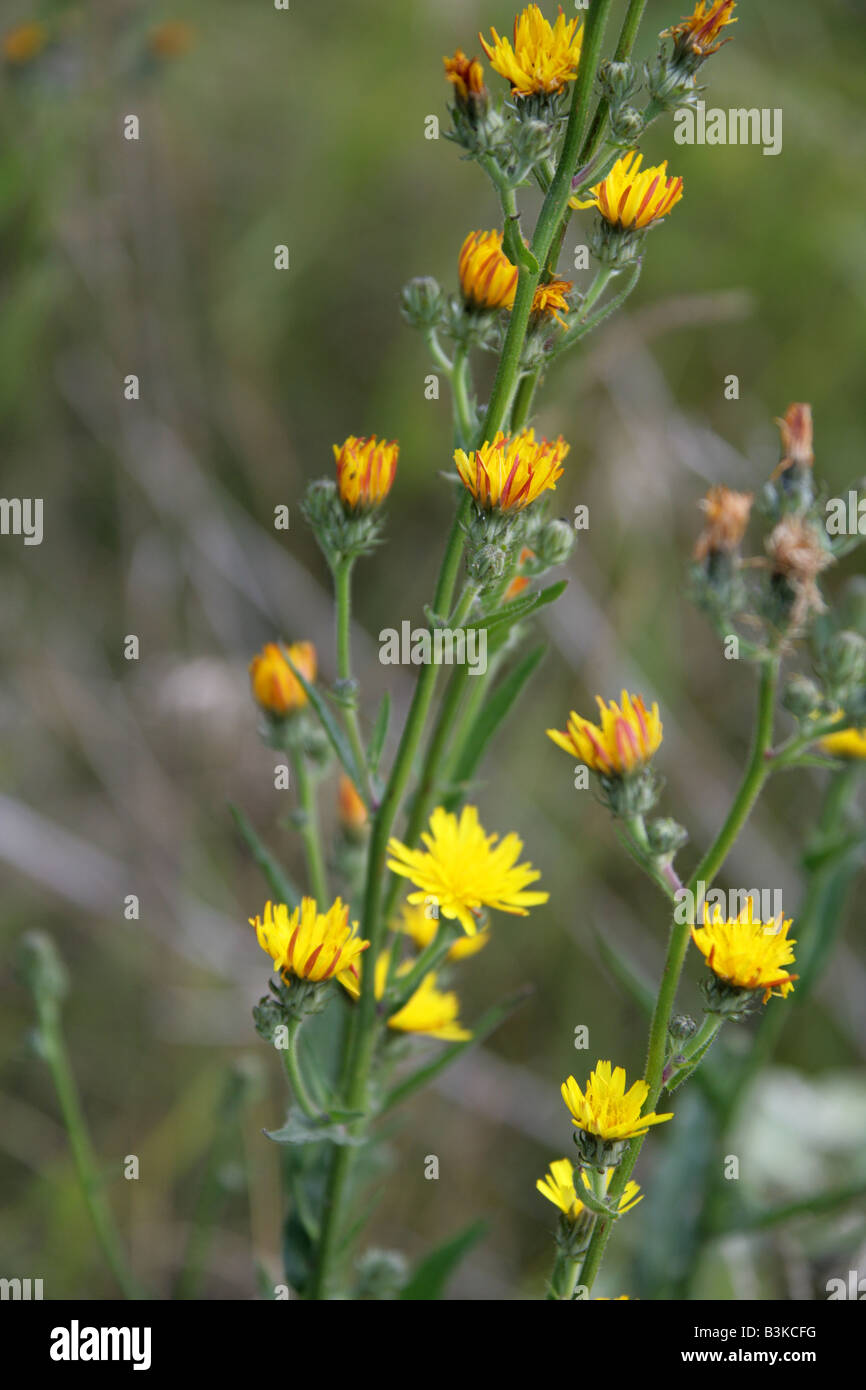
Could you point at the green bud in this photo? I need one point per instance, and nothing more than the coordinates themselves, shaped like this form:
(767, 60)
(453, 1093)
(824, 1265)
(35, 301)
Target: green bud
(666, 836)
(617, 80)
(381, 1274)
(626, 125)
(682, 1027)
(41, 969)
(634, 795)
(554, 543)
(801, 696)
(844, 659)
(422, 302)
(268, 1015)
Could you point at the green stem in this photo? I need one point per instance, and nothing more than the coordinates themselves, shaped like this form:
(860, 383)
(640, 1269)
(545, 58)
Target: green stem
(563, 1278)
(292, 1065)
(753, 780)
(465, 423)
(343, 596)
(626, 43)
(55, 1055)
(309, 828)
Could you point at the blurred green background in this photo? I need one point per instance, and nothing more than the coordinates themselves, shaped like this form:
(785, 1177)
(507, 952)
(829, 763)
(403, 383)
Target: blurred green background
(155, 257)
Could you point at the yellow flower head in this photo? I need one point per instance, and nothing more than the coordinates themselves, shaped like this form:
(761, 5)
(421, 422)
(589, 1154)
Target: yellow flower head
(488, 280)
(311, 945)
(417, 923)
(543, 57)
(848, 743)
(550, 299)
(431, 1011)
(606, 1108)
(24, 43)
(509, 474)
(466, 76)
(746, 952)
(365, 471)
(558, 1187)
(700, 30)
(631, 197)
(172, 39)
(625, 740)
(351, 808)
(464, 869)
(275, 687)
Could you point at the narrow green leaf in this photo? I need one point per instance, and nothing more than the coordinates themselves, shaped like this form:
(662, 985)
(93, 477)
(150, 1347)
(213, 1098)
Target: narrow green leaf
(515, 247)
(487, 1024)
(636, 987)
(432, 1274)
(511, 613)
(495, 710)
(278, 881)
(338, 740)
(379, 734)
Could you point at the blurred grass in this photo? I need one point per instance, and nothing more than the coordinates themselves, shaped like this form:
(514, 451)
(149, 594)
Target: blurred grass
(156, 257)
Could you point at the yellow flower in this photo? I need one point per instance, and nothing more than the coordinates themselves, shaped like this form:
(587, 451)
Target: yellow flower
(352, 811)
(511, 473)
(631, 197)
(699, 30)
(543, 56)
(747, 953)
(607, 1109)
(466, 76)
(275, 687)
(310, 945)
(488, 280)
(365, 471)
(558, 1187)
(464, 869)
(24, 43)
(431, 1011)
(625, 741)
(549, 299)
(415, 922)
(172, 39)
(848, 743)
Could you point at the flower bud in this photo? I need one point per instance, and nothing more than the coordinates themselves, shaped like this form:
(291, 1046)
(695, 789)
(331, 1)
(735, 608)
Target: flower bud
(666, 836)
(626, 125)
(844, 659)
(801, 696)
(617, 80)
(381, 1274)
(554, 543)
(40, 967)
(682, 1027)
(422, 302)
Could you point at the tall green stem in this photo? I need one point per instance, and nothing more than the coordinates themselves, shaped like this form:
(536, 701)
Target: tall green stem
(343, 596)
(309, 827)
(753, 780)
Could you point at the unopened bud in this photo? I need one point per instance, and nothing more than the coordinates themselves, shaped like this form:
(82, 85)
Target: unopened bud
(422, 302)
(666, 836)
(801, 696)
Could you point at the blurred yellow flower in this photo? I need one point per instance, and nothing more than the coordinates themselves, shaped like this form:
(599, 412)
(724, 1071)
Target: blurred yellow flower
(418, 924)
(626, 739)
(488, 280)
(558, 1187)
(848, 743)
(542, 57)
(172, 39)
(509, 474)
(430, 1011)
(746, 952)
(463, 869)
(365, 471)
(275, 687)
(700, 30)
(350, 807)
(24, 43)
(631, 197)
(307, 944)
(606, 1108)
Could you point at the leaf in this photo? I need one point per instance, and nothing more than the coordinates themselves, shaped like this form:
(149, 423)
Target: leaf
(298, 1252)
(511, 613)
(300, 1129)
(379, 734)
(515, 247)
(278, 881)
(487, 1024)
(626, 974)
(432, 1274)
(495, 710)
(338, 740)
